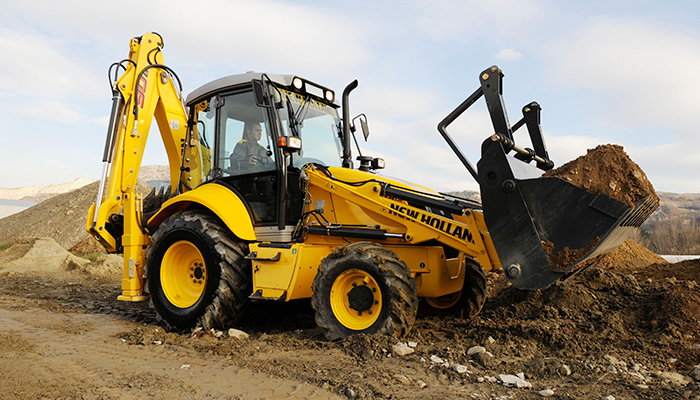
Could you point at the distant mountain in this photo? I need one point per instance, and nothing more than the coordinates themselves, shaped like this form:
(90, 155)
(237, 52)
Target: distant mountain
(675, 205)
(40, 193)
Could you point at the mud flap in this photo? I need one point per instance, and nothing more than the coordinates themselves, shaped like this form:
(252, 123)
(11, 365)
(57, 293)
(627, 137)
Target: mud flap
(525, 215)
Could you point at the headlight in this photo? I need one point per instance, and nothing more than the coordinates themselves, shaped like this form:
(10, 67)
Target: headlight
(330, 96)
(298, 83)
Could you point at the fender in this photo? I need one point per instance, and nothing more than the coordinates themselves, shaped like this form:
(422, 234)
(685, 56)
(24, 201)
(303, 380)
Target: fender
(217, 198)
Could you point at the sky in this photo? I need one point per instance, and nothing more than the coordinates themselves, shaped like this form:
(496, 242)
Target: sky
(623, 72)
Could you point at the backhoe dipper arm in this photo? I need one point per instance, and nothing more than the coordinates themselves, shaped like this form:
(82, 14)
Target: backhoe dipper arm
(145, 90)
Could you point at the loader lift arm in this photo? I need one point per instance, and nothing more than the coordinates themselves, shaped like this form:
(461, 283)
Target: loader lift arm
(144, 91)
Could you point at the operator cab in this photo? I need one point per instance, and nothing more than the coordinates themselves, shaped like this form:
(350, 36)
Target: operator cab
(247, 126)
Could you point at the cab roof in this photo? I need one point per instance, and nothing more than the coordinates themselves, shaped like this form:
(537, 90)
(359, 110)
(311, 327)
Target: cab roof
(233, 81)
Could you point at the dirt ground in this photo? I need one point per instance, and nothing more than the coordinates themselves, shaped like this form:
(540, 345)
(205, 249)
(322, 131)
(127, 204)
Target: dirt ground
(628, 327)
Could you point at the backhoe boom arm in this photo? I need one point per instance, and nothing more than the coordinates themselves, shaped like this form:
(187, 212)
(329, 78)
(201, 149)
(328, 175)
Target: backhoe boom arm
(144, 91)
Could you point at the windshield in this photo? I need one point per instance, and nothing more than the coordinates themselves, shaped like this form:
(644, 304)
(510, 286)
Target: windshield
(316, 124)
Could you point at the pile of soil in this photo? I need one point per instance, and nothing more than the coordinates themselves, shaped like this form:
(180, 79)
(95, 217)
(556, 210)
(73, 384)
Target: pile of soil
(629, 257)
(38, 254)
(88, 247)
(608, 170)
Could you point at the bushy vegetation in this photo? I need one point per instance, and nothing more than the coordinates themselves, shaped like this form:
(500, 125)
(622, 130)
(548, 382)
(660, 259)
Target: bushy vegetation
(678, 235)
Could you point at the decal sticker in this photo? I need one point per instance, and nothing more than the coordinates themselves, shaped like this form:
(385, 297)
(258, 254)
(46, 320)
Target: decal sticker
(451, 228)
(141, 89)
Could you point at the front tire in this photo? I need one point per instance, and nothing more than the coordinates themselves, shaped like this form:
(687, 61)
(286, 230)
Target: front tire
(364, 288)
(197, 274)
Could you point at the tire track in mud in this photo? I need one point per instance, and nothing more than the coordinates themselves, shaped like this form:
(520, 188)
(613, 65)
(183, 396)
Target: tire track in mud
(80, 356)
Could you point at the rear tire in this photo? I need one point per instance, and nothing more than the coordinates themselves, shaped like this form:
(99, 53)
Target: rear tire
(466, 303)
(197, 274)
(364, 288)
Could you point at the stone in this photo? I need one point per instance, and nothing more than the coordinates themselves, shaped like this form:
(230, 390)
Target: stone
(401, 349)
(475, 350)
(402, 378)
(611, 397)
(460, 369)
(218, 334)
(514, 381)
(350, 393)
(490, 340)
(676, 378)
(547, 393)
(565, 370)
(695, 373)
(235, 333)
(436, 360)
(412, 344)
(421, 384)
(636, 375)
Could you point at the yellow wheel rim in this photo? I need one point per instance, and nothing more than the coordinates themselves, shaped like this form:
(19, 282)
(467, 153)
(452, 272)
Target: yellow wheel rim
(446, 301)
(356, 299)
(183, 274)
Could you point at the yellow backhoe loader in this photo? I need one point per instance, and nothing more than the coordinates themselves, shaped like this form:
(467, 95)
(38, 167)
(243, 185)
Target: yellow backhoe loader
(266, 204)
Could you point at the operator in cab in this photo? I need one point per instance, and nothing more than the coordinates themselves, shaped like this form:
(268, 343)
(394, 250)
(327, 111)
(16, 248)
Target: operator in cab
(248, 153)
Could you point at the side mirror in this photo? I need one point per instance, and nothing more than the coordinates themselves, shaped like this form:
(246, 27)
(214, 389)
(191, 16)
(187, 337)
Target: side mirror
(363, 125)
(262, 98)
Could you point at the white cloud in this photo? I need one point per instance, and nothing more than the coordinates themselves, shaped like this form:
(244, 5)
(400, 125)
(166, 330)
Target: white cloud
(508, 55)
(52, 110)
(669, 167)
(638, 73)
(460, 20)
(214, 35)
(39, 66)
(31, 170)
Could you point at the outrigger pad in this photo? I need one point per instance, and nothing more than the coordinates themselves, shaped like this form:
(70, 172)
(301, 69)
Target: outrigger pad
(544, 228)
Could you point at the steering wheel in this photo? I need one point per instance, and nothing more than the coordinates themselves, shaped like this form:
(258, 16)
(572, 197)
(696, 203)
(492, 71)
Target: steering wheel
(300, 162)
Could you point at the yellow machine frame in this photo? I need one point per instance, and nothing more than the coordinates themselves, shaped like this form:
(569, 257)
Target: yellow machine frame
(146, 90)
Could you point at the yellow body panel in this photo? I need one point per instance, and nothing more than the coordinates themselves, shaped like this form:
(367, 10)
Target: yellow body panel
(293, 274)
(363, 205)
(220, 200)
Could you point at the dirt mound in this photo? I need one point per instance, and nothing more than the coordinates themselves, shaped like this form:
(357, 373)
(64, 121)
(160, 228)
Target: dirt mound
(107, 266)
(38, 254)
(629, 257)
(87, 247)
(608, 170)
(61, 218)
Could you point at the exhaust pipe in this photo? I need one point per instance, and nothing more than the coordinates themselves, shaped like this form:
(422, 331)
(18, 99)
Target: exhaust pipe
(347, 155)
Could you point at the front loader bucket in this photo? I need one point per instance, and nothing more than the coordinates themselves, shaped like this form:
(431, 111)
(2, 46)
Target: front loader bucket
(545, 228)
(542, 228)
